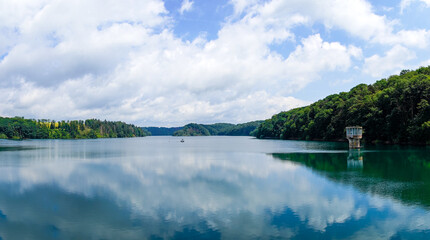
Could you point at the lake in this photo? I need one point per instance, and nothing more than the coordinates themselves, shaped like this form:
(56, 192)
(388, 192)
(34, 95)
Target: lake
(212, 188)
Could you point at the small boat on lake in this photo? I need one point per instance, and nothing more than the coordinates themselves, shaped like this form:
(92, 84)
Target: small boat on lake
(182, 140)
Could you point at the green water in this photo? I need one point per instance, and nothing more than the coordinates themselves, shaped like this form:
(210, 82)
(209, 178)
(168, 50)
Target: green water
(211, 188)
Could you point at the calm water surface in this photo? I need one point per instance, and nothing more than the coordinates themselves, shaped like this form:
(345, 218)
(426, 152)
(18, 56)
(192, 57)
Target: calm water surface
(211, 188)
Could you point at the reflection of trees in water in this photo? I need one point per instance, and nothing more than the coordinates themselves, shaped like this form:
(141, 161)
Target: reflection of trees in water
(16, 148)
(400, 174)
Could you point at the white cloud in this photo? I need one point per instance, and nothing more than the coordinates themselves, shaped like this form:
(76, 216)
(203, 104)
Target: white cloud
(54, 44)
(356, 17)
(411, 38)
(191, 82)
(217, 188)
(115, 65)
(387, 9)
(72, 100)
(340, 82)
(393, 62)
(241, 5)
(315, 56)
(425, 63)
(123, 60)
(186, 6)
(406, 3)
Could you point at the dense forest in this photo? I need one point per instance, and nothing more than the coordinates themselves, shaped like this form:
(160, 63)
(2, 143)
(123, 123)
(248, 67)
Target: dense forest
(20, 128)
(218, 129)
(394, 110)
(162, 131)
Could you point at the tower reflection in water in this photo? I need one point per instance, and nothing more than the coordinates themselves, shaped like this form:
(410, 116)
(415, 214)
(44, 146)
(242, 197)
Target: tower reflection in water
(355, 160)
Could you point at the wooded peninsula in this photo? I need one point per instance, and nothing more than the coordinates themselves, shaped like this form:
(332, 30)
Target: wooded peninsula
(20, 128)
(394, 110)
(218, 129)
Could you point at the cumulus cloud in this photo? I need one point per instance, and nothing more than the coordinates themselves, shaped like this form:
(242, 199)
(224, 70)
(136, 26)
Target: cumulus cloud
(241, 5)
(406, 3)
(216, 187)
(186, 6)
(181, 91)
(123, 61)
(356, 17)
(393, 61)
(425, 63)
(116, 64)
(82, 40)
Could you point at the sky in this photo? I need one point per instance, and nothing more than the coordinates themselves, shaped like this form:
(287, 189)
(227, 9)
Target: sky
(172, 62)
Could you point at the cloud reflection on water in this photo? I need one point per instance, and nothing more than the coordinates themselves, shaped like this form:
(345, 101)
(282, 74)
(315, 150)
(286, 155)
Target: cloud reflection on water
(136, 190)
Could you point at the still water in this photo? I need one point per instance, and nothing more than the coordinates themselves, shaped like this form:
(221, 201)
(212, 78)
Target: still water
(211, 188)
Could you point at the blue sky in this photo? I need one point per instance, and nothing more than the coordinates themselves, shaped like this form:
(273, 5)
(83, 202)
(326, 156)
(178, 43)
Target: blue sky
(168, 63)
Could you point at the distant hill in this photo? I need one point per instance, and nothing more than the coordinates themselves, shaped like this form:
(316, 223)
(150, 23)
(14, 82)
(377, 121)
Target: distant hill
(162, 131)
(225, 129)
(192, 129)
(393, 110)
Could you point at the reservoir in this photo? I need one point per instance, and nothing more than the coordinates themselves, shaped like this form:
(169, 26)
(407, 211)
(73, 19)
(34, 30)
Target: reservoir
(212, 188)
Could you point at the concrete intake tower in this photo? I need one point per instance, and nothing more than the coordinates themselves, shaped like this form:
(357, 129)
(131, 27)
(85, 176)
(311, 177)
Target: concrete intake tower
(354, 134)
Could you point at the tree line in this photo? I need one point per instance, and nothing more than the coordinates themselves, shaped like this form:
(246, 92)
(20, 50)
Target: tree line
(20, 128)
(218, 129)
(393, 110)
(162, 131)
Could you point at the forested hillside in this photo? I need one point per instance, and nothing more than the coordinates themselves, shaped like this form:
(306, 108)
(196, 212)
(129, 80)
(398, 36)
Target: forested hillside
(162, 131)
(393, 110)
(223, 129)
(192, 129)
(20, 128)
